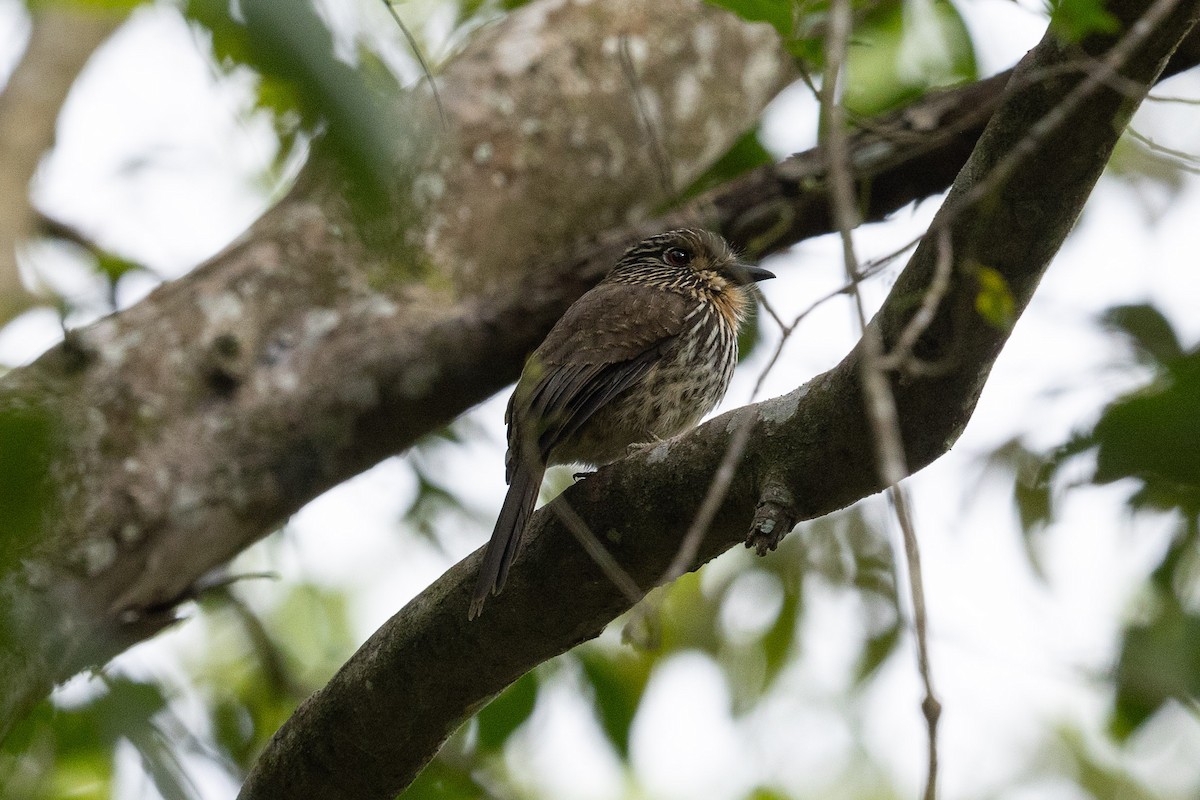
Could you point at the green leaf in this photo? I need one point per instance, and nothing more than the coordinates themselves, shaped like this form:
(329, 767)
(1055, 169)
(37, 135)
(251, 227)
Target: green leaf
(1033, 501)
(441, 780)
(877, 649)
(507, 712)
(779, 640)
(776, 12)
(1153, 435)
(293, 51)
(1148, 330)
(903, 49)
(618, 682)
(1072, 20)
(994, 302)
(1160, 661)
(120, 6)
(744, 155)
(26, 439)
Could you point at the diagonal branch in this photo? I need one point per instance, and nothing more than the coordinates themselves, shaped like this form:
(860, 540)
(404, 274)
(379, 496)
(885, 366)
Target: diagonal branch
(60, 45)
(367, 733)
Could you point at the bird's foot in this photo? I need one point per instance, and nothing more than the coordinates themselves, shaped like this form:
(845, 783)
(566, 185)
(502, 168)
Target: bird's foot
(774, 517)
(640, 447)
(764, 542)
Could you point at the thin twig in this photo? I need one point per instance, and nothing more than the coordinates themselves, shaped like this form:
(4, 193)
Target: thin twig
(771, 312)
(1162, 98)
(596, 549)
(643, 630)
(787, 330)
(881, 403)
(412, 43)
(1188, 162)
(898, 358)
(931, 708)
(658, 152)
(718, 488)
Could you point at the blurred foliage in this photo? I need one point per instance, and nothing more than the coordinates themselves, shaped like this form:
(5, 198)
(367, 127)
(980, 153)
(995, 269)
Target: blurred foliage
(1075, 19)
(26, 439)
(310, 89)
(252, 673)
(256, 670)
(86, 5)
(994, 301)
(1140, 166)
(68, 751)
(899, 48)
(744, 155)
(1148, 439)
(780, 14)
(1151, 435)
(743, 613)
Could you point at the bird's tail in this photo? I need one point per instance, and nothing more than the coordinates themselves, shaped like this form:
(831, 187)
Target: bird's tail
(506, 537)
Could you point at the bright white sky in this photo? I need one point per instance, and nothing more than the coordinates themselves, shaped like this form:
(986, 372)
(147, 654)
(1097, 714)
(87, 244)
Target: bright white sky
(158, 160)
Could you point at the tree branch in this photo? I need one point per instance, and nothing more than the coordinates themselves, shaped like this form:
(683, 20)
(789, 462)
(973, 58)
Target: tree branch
(60, 45)
(367, 733)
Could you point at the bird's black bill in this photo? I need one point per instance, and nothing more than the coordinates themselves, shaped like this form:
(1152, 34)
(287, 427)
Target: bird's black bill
(748, 273)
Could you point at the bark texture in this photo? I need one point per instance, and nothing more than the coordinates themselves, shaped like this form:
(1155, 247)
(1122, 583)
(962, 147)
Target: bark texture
(368, 732)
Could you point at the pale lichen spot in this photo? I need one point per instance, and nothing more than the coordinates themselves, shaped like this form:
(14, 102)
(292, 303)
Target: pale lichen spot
(483, 153)
(111, 346)
(319, 322)
(97, 555)
(38, 574)
(782, 409)
(687, 96)
(377, 305)
(186, 500)
(759, 76)
(97, 421)
(704, 40)
(287, 380)
(221, 309)
(502, 103)
(429, 184)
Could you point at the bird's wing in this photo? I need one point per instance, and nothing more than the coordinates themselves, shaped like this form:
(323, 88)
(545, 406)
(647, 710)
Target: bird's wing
(603, 345)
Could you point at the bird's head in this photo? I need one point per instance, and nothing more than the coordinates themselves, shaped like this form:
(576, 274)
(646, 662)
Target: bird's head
(690, 260)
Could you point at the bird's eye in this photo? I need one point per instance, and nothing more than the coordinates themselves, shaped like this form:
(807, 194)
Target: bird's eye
(677, 257)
